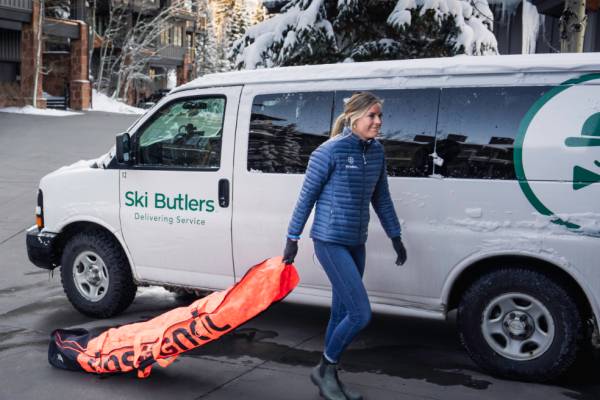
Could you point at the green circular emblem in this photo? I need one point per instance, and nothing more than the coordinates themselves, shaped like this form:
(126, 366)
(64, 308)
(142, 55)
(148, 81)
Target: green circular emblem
(557, 153)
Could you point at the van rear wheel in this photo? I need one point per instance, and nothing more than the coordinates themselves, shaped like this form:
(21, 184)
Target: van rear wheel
(96, 275)
(520, 323)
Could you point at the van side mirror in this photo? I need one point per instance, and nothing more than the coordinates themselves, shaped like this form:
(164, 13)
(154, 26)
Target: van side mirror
(123, 149)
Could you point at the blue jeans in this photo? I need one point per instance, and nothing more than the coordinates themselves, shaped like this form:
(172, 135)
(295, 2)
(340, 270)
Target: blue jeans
(350, 307)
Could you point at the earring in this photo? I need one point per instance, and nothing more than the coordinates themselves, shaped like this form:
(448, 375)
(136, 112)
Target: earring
(354, 126)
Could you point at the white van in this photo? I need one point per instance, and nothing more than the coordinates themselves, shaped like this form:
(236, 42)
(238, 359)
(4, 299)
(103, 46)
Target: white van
(493, 165)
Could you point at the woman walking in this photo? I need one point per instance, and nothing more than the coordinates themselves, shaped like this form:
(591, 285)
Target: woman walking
(345, 175)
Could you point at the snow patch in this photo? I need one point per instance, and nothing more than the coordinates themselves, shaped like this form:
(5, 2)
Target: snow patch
(88, 163)
(172, 79)
(523, 245)
(30, 110)
(478, 226)
(436, 176)
(440, 68)
(437, 160)
(101, 102)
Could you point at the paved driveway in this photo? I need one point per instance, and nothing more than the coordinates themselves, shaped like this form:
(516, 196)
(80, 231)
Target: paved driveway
(267, 358)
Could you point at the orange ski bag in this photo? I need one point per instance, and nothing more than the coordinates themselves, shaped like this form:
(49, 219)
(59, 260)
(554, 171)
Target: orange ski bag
(162, 339)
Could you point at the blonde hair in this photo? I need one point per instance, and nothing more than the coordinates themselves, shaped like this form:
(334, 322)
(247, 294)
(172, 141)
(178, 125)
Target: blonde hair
(356, 107)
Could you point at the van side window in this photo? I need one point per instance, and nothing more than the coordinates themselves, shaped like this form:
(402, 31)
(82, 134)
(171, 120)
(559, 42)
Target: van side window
(477, 128)
(408, 128)
(286, 128)
(186, 133)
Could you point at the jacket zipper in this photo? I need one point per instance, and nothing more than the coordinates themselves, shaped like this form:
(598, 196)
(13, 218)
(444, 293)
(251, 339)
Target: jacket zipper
(362, 197)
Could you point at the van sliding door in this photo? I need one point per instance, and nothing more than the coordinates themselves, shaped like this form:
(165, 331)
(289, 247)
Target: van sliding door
(277, 133)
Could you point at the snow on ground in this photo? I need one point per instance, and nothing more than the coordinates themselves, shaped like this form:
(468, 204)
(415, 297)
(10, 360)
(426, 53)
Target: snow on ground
(101, 102)
(38, 111)
(172, 79)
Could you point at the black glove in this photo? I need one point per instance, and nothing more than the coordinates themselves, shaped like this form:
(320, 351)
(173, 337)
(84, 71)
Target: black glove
(291, 249)
(400, 250)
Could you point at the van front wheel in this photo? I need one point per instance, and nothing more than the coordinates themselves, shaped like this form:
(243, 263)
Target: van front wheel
(520, 323)
(96, 275)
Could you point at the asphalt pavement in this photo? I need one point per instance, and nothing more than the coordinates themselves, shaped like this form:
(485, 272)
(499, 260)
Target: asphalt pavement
(269, 357)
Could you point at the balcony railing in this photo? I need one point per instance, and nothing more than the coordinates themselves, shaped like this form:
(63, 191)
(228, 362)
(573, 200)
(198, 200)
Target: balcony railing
(20, 5)
(172, 52)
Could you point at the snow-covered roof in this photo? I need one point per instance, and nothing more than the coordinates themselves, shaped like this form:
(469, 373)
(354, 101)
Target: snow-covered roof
(459, 65)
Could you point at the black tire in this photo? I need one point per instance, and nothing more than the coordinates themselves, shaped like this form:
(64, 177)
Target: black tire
(121, 288)
(568, 323)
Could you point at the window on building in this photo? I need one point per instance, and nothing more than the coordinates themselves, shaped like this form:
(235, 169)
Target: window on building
(408, 128)
(185, 133)
(188, 5)
(286, 128)
(178, 36)
(477, 128)
(102, 24)
(189, 46)
(164, 36)
(152, 74)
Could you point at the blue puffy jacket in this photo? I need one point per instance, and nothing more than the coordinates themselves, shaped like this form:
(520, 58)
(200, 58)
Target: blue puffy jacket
(345, 175)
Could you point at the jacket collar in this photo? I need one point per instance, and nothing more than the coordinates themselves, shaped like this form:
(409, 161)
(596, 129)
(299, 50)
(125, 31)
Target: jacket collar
(353, 137)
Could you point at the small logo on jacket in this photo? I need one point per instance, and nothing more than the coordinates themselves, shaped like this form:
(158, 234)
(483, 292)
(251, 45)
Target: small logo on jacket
(351, 161)
(59, 358)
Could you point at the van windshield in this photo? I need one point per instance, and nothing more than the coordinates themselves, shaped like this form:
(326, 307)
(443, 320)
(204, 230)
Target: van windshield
(186, 133)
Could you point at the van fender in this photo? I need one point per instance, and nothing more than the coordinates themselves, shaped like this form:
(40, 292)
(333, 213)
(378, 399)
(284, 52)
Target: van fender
(481, 255)
(117, 233)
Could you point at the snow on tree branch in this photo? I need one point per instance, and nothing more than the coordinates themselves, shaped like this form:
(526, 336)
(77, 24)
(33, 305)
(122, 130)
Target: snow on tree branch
(298, 34)
(320, 32)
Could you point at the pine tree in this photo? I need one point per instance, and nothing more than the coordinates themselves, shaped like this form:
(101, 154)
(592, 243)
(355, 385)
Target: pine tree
(300, 35)
(260, 13)
(223, 14)
(322, 32)
(206, 43)
(240, 20)
(223, 64)
(223, 10)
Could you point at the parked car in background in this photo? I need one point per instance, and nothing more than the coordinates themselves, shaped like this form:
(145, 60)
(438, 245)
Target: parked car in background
(146, 105)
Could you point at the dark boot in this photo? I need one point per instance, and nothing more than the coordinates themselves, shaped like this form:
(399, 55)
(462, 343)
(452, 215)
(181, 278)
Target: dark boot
(324, 376)
(349, 393)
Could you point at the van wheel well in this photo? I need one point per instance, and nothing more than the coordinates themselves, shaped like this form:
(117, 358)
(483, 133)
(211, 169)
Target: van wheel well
(67, 233)
(481, 267)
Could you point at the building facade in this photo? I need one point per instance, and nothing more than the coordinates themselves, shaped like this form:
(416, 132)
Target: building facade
(69, 58)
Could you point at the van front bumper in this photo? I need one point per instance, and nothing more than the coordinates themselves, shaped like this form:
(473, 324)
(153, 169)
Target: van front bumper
(39, 248)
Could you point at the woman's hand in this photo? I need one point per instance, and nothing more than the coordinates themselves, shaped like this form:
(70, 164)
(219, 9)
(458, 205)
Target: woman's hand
(291, 249)
(400, 250)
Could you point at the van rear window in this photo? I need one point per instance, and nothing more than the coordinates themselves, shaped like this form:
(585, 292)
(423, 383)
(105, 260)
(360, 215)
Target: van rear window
(477, 128)
(286, 128)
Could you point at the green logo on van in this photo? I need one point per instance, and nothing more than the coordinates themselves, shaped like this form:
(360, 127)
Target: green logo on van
(557, 152)
(590, 137)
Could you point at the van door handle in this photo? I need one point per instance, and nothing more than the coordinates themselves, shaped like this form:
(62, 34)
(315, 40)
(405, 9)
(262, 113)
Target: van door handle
(224, 193)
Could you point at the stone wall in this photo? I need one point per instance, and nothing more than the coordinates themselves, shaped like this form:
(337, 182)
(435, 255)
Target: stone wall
(182, 72)
(80, 84)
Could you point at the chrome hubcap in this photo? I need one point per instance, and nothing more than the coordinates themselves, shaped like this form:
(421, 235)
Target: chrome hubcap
(518, 326)
(90, 276)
